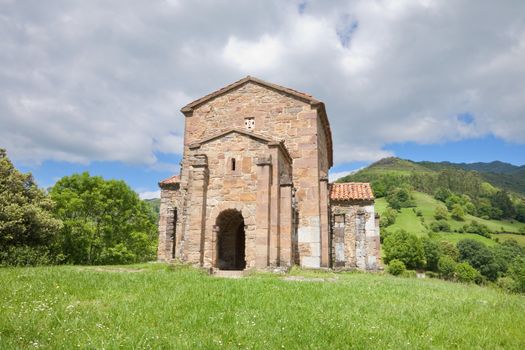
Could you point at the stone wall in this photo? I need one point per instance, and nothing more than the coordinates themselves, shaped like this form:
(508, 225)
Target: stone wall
(168, 231)
(278, 116)
(238, 187)
(355, 237)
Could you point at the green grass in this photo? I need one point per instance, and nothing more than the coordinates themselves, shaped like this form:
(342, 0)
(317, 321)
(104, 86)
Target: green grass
(409, 221)
(456, 237)
(180, 308)
(506, 236)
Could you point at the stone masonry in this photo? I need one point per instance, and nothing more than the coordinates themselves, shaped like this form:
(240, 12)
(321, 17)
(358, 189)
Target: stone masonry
(253, 189)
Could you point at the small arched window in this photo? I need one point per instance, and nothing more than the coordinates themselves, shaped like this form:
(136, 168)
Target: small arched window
(233, 164)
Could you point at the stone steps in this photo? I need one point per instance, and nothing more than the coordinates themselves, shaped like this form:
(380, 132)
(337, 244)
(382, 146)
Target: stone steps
(228, 273)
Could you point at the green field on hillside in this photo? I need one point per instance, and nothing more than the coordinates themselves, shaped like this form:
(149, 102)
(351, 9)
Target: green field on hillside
(409, 221)
(157, 306)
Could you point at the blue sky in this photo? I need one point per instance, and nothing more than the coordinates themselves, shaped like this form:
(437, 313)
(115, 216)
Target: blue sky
(144, 180)
(97, 86)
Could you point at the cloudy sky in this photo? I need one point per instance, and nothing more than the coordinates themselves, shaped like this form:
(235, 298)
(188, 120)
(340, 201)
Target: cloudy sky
(98, 85)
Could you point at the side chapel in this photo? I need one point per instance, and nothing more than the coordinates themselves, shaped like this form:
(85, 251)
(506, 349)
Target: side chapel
(253, 188)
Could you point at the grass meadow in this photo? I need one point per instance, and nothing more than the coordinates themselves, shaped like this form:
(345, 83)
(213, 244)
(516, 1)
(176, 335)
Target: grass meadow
(409, 221)
(165, 307)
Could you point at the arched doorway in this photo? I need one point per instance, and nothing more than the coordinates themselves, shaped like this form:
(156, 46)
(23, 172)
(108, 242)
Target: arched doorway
(231, 240)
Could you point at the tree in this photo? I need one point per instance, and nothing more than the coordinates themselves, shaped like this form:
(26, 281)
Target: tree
(520, 211)
(432, 253)
(105, 222)
(478, 256)
(517, 273)
(501, 200)
(396, 267)
(27, 225)
(399, 198)
(466, 273)
(388, 218)
(446, 267)
(441, 213)
(405, 247)
(506, 253)
(449, 249)
(457, 212)
(442, 194)
(440, 226)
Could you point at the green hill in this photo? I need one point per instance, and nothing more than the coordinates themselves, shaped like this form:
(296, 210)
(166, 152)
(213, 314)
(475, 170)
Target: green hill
(469, 181)
(503, 175)
(499, 174)
(419, 225)
(157, 306)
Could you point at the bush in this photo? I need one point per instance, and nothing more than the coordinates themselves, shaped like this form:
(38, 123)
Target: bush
(396, 267)
(406, 247)
(477, 228)
(432, 253)
(447, 267)
(479, 256)
(506, 283)
(399, 198)
(466, 273)
(388, 218)
(409, 274)
(449, 249)
(441, 213)
(517, 273)
(431, 274)
(440, 226)
(25, 256)
(457, 212)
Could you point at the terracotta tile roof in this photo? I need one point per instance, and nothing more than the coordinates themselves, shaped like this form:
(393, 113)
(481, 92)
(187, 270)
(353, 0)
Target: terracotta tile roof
(170, 180)
(351, 191)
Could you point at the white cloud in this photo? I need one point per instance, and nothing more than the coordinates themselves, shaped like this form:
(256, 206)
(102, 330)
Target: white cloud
(149, 194)
(85, 81)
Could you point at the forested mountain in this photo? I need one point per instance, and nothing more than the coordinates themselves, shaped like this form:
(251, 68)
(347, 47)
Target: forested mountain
(504, 175)
(498, 174)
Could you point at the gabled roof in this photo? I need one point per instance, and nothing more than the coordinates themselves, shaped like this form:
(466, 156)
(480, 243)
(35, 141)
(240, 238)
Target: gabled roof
(188, 109)
(299, 95)
(351, 191)
(263, 138)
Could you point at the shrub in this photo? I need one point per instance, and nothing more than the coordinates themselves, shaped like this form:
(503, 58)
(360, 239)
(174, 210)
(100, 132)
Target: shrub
(388, 218)
(25, 256)
(440, 226)
(477, 228)
(399, 198)
(405, 247)
(466, 273)
(409, 274)
(441, 213)
(431, 274)
(396, 267)
(457, 212)
(449, 249)
(432, 253)
(517, 273)
(479, 256)
(446, 267)
(506, 283)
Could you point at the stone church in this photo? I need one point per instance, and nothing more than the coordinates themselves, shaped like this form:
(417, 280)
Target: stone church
(253, 188)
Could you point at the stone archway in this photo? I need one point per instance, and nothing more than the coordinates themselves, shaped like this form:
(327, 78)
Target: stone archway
(231, 240)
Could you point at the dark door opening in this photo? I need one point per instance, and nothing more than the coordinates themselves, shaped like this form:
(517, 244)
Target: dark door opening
(231, 241)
